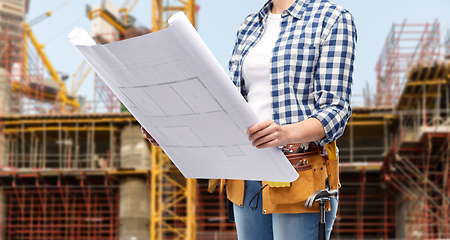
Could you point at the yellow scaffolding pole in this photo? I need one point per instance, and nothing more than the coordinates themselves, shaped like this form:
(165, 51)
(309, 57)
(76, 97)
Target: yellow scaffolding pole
(172, 201)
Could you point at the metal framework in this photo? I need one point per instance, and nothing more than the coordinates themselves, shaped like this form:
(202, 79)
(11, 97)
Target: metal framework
(49, 142)
(59, 206)
(366, 210)
(447, 45)
(26, 67)
(172, 201)
(62, 94)
(366, 207)
(405, 140)
(27, 92)
(212, 216)
(104, 98)
(405, 45)
(162, 10)
(417, 164)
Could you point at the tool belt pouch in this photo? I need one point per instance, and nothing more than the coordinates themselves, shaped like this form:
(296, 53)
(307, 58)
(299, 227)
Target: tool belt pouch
(312, 177)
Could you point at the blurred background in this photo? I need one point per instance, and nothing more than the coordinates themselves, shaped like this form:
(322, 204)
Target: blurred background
(75, 165)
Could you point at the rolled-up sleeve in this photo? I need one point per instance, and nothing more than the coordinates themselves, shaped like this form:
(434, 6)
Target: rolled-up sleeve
(334, 77)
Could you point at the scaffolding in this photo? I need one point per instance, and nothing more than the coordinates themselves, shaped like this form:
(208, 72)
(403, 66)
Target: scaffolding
(417, 164)
(60, 174)
(27, 90)
(53, 205)
(212, 215)
(104, 99)
(50, 142)
(394, 153)
(405, 45)
(172, 199)
(32, 85)
(447, 45)
(366, 206)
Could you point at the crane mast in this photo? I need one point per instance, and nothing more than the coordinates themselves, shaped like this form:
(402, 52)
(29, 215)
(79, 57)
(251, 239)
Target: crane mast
(172, 198)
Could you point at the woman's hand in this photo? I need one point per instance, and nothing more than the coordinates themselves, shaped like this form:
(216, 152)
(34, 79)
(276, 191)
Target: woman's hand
(149, 137)
(267, 134)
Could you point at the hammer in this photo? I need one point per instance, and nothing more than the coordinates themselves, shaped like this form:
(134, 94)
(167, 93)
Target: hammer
(321, 196)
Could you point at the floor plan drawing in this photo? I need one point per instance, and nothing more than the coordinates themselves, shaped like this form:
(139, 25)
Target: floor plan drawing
(176, 89)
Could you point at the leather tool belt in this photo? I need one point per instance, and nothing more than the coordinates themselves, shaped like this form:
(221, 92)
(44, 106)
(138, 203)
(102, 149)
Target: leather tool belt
(316, 172)
(313, 168)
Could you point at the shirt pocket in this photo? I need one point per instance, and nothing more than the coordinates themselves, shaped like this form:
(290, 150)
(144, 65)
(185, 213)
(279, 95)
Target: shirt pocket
(304, 58)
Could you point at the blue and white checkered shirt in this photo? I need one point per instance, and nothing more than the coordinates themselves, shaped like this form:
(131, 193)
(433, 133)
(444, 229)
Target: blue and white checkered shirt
(312, 63)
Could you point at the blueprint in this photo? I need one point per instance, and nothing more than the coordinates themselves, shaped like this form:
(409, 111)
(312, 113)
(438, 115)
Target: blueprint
(176, 89)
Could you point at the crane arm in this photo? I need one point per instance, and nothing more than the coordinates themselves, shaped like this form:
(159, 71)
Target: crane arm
(62, 87)
(46, 14)
(79, 76)
(108, 18)
(126, 8)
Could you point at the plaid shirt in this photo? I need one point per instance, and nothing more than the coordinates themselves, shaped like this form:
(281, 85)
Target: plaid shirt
(312, 63)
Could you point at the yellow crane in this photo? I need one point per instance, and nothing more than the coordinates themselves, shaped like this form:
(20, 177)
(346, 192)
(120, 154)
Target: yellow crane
(79, 76)
(121, 23)
(167, 192)
(126, 9)
(171, 197)
(161, 12)
(60, 96)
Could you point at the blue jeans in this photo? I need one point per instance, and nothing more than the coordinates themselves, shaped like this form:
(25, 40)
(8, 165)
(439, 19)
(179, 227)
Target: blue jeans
(254, 225)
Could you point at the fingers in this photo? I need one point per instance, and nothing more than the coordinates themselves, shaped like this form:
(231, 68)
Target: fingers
(153, 141)
(264, 134)
(149, 137)
(267, 134)
(264, 130)
(270, 140)
(257, 127)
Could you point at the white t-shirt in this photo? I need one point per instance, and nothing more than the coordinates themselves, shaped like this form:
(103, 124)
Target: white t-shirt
(256, 69)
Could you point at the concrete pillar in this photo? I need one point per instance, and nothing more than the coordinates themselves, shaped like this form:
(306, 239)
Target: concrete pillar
(134, 151)
(4, 149)
(401, 215)
(5, 90)
(407, 213)
(9, 101)
(134, 210)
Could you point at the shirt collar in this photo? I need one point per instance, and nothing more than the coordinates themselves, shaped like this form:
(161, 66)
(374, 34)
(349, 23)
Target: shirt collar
(296, 10)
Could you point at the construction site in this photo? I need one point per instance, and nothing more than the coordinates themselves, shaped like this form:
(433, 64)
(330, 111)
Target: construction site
(73, 170)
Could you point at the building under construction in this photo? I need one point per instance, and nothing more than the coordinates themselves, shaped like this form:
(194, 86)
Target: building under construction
(70, 169)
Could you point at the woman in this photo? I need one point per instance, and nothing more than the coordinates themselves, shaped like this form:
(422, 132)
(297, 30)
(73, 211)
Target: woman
(293, 62)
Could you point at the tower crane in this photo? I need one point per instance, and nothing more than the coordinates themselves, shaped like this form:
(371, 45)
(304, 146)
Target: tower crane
(49, 94)
(125, 10)
(121, 20)
(163, 183)
(79, 76)
(167, 193)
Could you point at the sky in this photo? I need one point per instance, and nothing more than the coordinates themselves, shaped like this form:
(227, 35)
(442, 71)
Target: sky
(218, 20)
